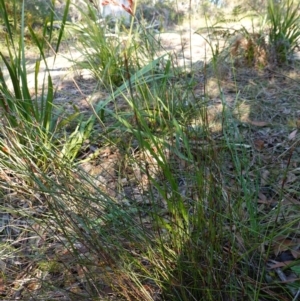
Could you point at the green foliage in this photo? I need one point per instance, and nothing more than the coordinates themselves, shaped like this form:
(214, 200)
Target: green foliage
(31, 116)
(113, 57)
(104, 51)
(35, 12)
(254, 47)
(284, 31)
(191, 229)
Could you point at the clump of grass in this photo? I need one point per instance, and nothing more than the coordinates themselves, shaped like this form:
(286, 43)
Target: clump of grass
(113, 57)
(30, 114)
(103, 52)
(273, 42)
(284, 32)
(249, 50)
(183, 221)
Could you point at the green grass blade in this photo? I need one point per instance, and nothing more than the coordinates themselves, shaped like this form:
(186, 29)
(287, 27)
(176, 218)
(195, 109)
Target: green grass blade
(4, 15)
(12, 70)
(39, 44)
(47, 110)
(63, 23)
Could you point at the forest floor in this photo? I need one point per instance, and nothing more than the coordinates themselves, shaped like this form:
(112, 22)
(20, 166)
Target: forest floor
(264, 102)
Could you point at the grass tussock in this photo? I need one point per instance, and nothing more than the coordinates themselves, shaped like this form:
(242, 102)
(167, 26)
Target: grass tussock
(179, 184)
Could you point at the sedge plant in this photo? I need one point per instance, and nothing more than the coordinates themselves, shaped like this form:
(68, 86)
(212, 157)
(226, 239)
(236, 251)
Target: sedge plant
(25, 109)
(284, 29)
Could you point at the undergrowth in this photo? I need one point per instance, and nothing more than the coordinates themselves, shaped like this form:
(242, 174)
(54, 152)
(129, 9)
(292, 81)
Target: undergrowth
(182, 198)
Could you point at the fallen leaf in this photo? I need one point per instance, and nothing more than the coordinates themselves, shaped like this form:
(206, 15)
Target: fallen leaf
(33, 285)
(268, 202)
(296, 253)
(262, 198)
(264, 177)
(290, 201)
(259, 144)
(277, 264)
(258, 123)
(291, 178)
(2, 287)
(281, 244)
(286, 111)
(292, 135)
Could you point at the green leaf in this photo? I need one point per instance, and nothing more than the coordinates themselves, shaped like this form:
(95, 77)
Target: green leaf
(296, 269)
(63, 23)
